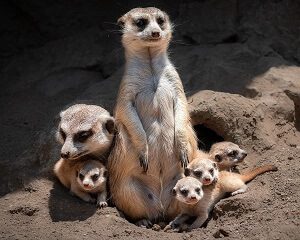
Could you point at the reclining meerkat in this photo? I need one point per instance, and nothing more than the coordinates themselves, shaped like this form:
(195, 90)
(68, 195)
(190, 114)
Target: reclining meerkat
(227, 155)
(155, 139)
(215, 185)
(85, 130)
(83, 177)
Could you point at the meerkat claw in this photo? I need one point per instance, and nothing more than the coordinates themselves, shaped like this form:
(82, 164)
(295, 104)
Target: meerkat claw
(183, 159)
(144, 162)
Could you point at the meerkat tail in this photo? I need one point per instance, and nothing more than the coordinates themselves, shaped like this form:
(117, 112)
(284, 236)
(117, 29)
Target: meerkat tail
(250, 175)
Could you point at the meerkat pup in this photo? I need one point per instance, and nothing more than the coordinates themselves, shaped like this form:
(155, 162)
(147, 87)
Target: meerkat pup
(83, 177)
(227, 155)
(156, 138)
(215, 185)
(85, 130)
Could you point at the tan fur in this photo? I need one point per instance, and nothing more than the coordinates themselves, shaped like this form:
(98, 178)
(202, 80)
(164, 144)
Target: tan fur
(155, 134)
(68, 174)
(85, 130)
(227, 155)
(215, 185)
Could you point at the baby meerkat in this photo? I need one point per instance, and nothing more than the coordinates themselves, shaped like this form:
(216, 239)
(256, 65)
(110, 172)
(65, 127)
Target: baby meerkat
(85, 130)
(155, 137)
(227, 155)
(215, 185)
(83, 177)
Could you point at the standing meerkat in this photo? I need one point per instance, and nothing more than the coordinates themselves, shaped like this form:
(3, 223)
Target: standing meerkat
(85, 130)
(155, 136)
(215, 185)
(83, 177)
(227, 155)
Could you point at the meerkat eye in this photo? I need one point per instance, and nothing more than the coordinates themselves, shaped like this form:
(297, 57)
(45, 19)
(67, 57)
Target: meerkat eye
(160, 21)
(95, 177)
(184, 192)
(197, 190)
(211, 171)
(233, 153)
(198, 173)
(83, 135)
(141, 23)
(81, 176)
(218, 158)
(62, 134)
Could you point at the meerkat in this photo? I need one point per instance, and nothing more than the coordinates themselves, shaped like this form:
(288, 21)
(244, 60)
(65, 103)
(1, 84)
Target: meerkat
(227, 155)
(85, 130)
(83, 177)
(215, 185)
(155, 139)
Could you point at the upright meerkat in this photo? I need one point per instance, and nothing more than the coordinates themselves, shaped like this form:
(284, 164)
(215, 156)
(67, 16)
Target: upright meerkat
(85, 130)
(215, 185)
(227, 155)
(155, 136)
(83, 177)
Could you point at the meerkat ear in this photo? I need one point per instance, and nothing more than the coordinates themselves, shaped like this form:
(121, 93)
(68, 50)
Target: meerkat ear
(187, 172)
(218, 158)
(173, 192)
(105, 173)
(110, 125)
(121, 22)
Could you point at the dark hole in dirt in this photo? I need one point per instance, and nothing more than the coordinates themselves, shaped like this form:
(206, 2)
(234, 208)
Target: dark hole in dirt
(206, 137)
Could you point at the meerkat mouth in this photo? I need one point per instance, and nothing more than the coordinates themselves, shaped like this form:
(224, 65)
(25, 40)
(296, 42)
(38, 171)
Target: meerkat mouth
(191, 202)
(79, 155)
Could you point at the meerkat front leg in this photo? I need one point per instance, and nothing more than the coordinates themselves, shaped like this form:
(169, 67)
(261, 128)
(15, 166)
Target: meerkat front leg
(199, 220)
(83, 195)
(180, 122)
(101, 199)
(177, 222)
(135, 129)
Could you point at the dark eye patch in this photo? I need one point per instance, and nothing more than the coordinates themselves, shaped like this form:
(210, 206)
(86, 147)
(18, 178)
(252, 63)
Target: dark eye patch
(141, 23)
(198, 173)
(218, 158)
(160, 21)
(211, 171)
(81, 176)
(197, 190)
(233, 153)
(95, 177)
(83, 136)
(62, 134)
(184, 192)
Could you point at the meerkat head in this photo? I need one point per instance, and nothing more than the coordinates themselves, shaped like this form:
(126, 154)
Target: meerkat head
(188, 190)
(145, 27)
(203, 169)
(85, 129)
(91, 175)
(227, 154)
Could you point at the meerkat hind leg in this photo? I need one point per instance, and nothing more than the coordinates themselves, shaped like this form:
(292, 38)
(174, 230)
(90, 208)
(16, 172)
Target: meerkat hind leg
(144, 223)
(241, 190)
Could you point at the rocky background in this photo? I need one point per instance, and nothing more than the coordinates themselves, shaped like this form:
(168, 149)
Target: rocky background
(239, 62)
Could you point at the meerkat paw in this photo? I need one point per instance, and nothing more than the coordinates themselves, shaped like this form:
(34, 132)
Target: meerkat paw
(183, 158)
(144, 161)
(102, 204)
(144, 223)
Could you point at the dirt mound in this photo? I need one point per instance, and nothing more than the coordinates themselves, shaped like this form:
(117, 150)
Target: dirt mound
(239, 63)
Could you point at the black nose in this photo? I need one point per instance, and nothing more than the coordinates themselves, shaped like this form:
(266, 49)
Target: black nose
(206, 179)
(155, 34)
(65, 155)
(193, 197)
